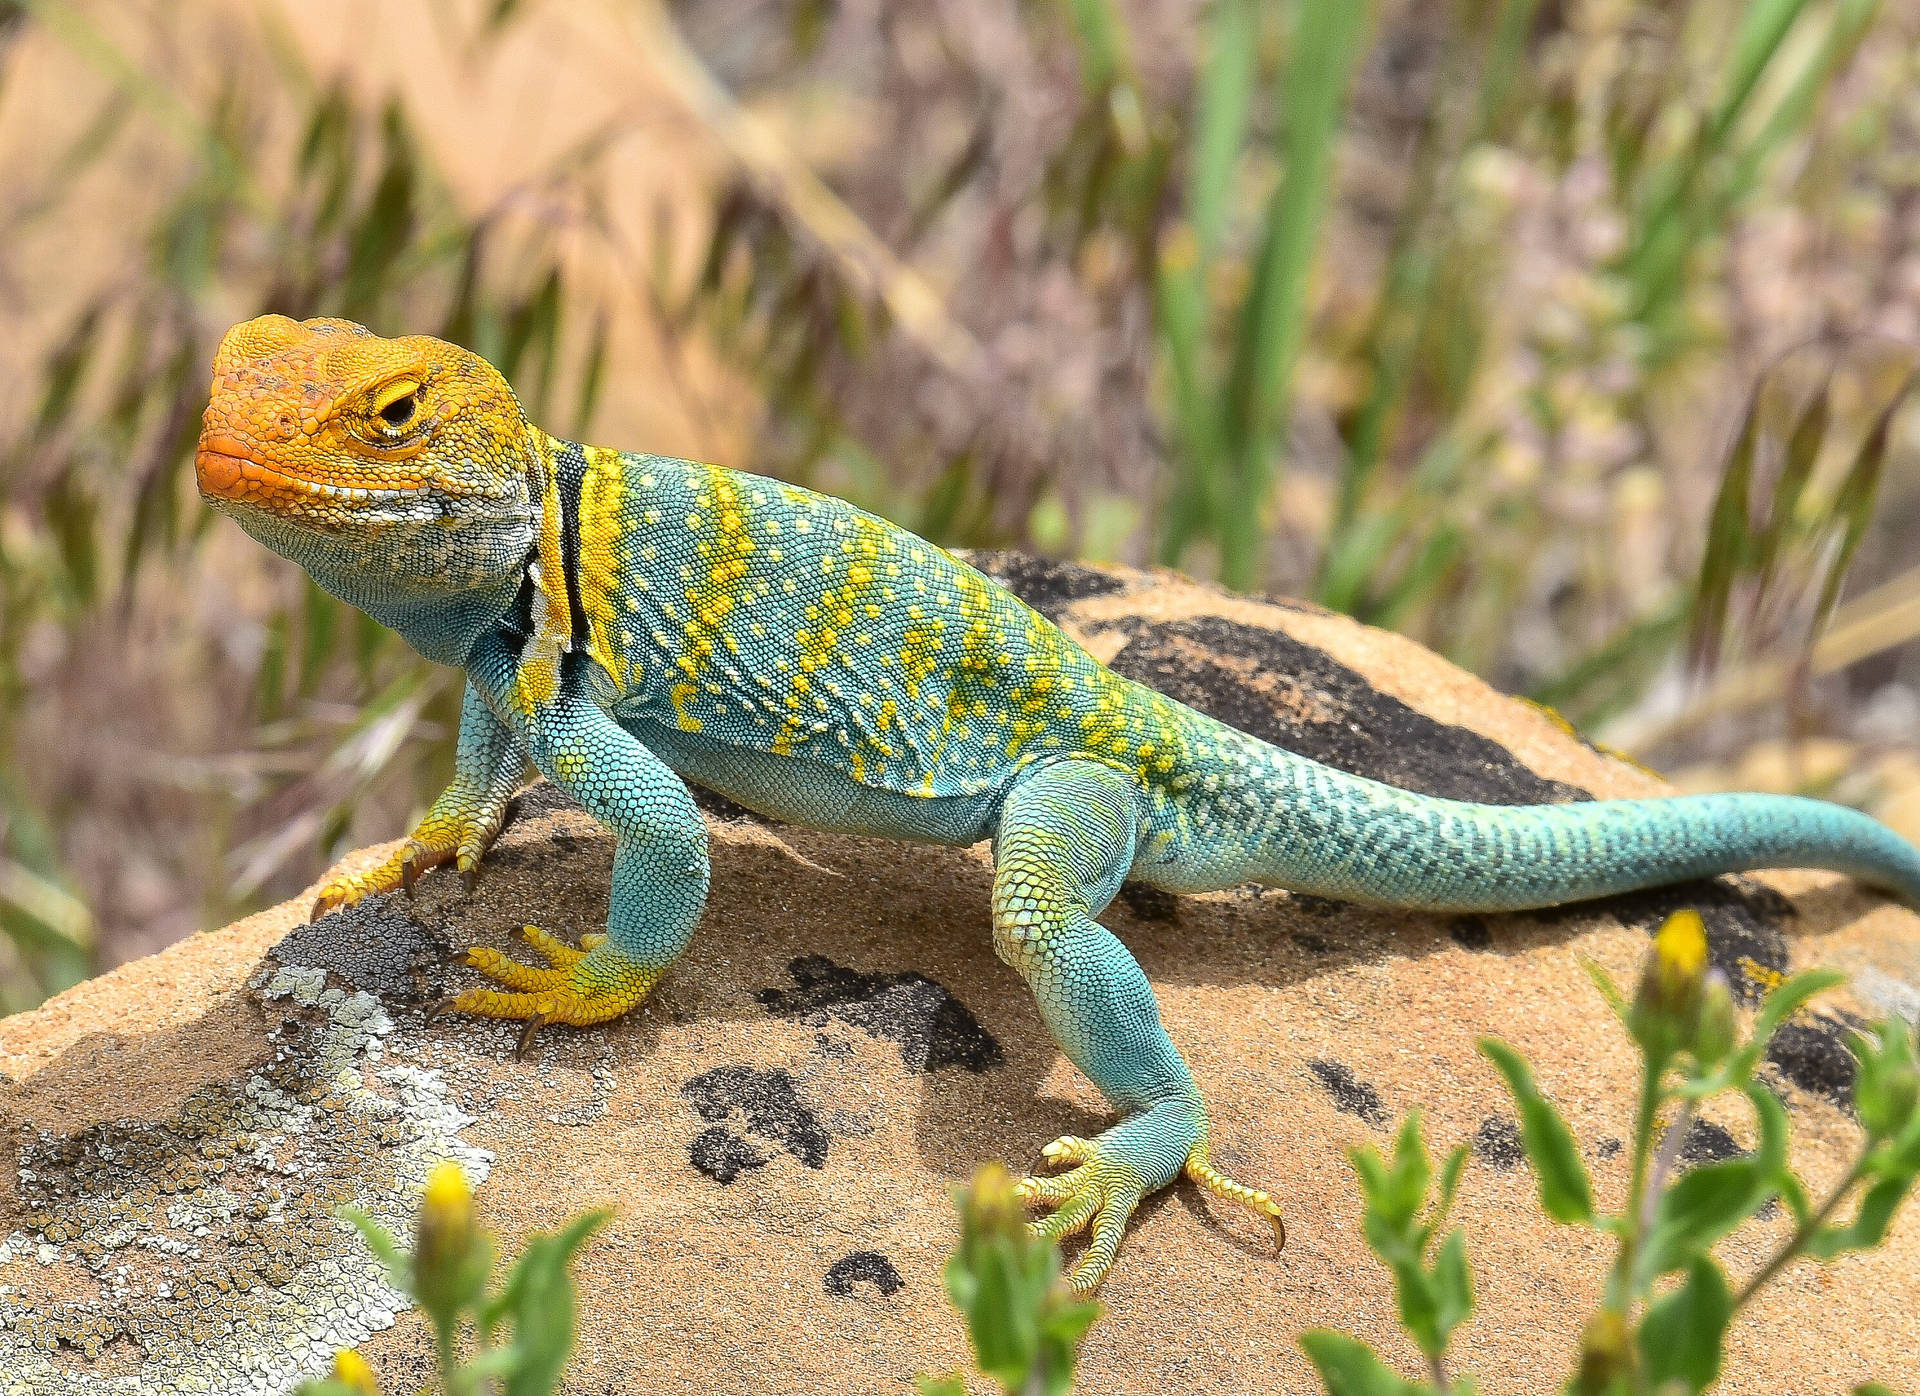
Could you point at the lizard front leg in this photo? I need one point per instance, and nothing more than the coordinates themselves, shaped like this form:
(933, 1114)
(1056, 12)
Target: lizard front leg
(462, 823)
(1065, 841)
(660, 876)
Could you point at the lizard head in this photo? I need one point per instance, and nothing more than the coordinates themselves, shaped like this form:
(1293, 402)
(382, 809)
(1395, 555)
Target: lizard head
(391, 469)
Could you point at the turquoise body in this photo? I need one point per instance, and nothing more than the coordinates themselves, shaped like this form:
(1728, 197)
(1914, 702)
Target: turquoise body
(819, 665)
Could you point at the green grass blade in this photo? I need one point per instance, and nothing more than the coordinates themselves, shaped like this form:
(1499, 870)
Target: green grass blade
(1327, 44)
(1854, 502)
(1220, 121)
(1729, 539)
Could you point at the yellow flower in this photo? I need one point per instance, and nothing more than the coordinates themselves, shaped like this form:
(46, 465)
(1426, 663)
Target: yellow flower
(1666, 1009)
(1681, 950)
(446, 1231)
(351, 1369)
(449, 1201)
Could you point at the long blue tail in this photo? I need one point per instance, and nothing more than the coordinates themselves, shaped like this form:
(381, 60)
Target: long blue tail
(1311, 828)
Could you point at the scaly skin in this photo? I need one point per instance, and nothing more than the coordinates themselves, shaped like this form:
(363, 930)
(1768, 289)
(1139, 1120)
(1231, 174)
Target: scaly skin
(626, 621)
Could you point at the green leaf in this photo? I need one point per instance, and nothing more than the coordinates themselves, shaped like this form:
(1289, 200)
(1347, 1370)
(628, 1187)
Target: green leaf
(1728, 539)
(538, 1300)
(1273, 318)
(380, 1241)
(1453, 1286)
(952, 1384)
(1870, 1222)
(1348, 1367)
(1450, 1174)
(1681, 1336)
(1704, 1205)
(1888, 1085)
(1565, 1192)
(1775, 1010)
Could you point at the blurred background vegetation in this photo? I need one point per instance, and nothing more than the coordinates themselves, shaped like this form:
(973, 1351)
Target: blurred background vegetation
(1572, 337)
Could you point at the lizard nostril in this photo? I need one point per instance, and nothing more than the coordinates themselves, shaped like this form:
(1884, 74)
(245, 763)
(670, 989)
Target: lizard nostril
(287, 426)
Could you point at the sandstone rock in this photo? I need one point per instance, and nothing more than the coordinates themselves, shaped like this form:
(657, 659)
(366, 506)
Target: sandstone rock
(780, 1127)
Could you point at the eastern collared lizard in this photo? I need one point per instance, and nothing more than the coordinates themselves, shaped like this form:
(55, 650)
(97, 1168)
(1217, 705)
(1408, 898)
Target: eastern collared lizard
(630, 622)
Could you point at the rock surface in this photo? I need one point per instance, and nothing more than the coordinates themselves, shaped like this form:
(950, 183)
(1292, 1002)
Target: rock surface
(780, 1126)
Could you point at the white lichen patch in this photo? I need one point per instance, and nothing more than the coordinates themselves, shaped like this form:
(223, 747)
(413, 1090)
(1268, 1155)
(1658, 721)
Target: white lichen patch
(203, 1253)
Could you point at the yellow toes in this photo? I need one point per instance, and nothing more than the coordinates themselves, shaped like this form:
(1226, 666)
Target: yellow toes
(1048, 1191)
(511, 972)
(399, 872)
(555, 951)
(580, 989)
(1096, 1192)
(1201, 1170)
(1069, 1148)
(1074, 1216)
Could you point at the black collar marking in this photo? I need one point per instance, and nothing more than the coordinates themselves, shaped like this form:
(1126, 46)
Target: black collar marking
(569, 469)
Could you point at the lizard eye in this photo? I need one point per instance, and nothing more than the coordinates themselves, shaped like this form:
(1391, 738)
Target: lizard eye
(398, 403)
(400, 411)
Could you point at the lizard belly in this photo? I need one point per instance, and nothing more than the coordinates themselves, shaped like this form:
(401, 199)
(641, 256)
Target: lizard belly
(813, 794)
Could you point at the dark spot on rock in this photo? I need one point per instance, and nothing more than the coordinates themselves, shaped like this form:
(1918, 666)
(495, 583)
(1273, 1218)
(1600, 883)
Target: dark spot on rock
(1320, 708)
(1810, 1050)
(1743, 921)
(1497, 1142)
(1311, 943)
(1044, 584)
(1148, 903)
(1707, 1142)
(1470, 933)
(723, 1155)
(1349, 1092)
(373, 945)
(773, 1109)
(870, 1266)
(1321, 908)
(934, 1029)
(1607, 1148)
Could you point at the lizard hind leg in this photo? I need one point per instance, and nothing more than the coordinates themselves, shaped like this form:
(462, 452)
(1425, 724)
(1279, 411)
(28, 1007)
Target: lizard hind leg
(1065, 840)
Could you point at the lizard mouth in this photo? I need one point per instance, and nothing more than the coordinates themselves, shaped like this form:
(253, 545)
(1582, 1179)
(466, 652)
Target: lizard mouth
(226, 469)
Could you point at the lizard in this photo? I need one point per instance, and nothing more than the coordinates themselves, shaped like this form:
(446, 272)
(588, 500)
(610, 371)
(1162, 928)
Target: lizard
(628, 623)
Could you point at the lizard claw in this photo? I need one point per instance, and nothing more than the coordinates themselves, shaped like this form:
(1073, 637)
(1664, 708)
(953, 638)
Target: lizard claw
(410, 868)
(534, 1024)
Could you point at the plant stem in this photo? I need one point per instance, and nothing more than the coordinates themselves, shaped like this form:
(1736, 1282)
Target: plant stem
(1619, 1294)
(1670, 1145)
(1797, 1242)
(457, 1379)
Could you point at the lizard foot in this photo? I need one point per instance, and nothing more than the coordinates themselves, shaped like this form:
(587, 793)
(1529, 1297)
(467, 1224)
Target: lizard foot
(438, 840)
(580, 987)
(1109, 1176)
(1100, 1190)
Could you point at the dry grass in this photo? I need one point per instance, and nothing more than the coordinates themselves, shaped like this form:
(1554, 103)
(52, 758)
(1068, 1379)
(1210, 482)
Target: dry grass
(1007, 273)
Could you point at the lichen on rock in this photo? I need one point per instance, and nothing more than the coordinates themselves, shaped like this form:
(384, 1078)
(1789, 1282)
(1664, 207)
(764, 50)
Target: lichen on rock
(204, 1253)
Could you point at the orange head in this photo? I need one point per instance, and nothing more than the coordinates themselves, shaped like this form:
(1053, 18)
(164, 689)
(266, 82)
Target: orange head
(400, 472)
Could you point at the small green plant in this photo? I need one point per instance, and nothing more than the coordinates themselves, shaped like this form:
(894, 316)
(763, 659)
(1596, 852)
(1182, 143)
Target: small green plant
(1024, 1323)
(521, 1333)
(1662, 1322)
